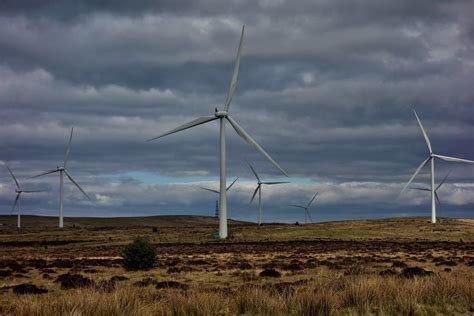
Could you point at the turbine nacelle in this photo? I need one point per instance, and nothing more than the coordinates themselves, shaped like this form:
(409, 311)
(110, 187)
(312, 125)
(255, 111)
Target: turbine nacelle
(221, 114)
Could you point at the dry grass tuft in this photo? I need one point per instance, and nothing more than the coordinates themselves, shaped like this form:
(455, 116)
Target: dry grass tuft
(367, 294)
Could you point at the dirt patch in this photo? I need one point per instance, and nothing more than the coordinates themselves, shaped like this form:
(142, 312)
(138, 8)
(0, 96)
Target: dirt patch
(272, 273)
(171, 285)
(145, 282)
(415, 272)
(28, 289)
(72, 281)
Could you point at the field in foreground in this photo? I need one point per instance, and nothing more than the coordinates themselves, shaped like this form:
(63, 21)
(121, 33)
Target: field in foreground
(390, 266)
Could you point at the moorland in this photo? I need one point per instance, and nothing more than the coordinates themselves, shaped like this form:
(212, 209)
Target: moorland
(387, 266)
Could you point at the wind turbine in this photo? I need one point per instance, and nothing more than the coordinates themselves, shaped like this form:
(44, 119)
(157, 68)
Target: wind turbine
(259, 190)
(62, 170)
(215, 191)
(306, 208)
(436, 190)
(19, 191)
(222, 116)
(431, 157)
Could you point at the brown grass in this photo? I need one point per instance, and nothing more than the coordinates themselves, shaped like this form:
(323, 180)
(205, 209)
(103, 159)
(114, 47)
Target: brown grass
(367, 294)
(326, 269)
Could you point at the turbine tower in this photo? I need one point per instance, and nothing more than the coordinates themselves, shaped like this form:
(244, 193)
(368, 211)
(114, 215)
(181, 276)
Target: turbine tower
(259, 190)
(431, 157)
(62, 170)
(215, 191)
(306, 209)
(222, 116)
(18, 192)
(436, 190)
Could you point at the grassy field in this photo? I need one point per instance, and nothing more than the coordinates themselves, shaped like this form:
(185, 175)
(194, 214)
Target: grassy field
(384, 267)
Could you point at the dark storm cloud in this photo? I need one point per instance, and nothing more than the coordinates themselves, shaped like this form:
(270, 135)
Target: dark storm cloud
(327, 87)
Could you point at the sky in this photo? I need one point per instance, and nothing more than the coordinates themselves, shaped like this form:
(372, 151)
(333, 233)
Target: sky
(327, 88)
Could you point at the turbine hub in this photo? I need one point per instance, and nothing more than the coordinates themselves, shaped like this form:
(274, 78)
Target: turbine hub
(221, 114)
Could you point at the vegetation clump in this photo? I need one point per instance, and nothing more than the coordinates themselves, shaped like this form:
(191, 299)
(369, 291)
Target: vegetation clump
(139, 255)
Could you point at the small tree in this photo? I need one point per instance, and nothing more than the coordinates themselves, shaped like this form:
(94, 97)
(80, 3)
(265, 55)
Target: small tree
(139, 255)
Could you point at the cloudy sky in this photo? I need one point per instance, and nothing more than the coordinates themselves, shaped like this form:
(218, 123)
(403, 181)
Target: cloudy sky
(326, 87)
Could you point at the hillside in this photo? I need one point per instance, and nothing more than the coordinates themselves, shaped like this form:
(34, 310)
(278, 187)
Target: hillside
(32, 221)
(185, 228)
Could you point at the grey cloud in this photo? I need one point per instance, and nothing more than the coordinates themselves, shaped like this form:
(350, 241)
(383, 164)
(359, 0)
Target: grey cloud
(327, 88)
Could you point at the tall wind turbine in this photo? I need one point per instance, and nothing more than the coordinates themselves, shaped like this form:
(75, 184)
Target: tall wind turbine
(222, 116)
(431, 157)
(19, 191)
(215, 191)
(62, 170)
(306, 209)
(259, 190)
(436, 190)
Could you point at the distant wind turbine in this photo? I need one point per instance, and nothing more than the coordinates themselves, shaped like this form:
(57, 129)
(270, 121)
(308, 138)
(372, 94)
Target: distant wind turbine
(19, 191)
(431, 157)
(306, 209)
(62, 170)
(215, 191)
(436, 190)
(222, 116)
(259, 190)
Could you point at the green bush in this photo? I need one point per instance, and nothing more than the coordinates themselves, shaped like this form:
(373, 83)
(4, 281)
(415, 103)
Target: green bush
(139, 255)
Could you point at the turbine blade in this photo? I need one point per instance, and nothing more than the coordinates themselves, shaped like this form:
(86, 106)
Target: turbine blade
(309, 204)
(196, 122)
(427, 140)
(254, 193)
(44, 173)
(235, 74)
(421, 189)
(15, 203)
(277, 182)
(66, 156)
(423, 163)
(242, 133)
(215, 191)
(230, 186)
(437, 198)
(292, 205)
(447, 158)
(32, 191)
(77, 185)
(253, 170)
(444, 179)
(14, 179)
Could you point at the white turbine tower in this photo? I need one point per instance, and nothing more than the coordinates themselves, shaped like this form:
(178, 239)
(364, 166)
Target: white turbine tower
(217, 192)
(306, 209)
(436, 190)
(431, 157)
(259, 190)
(222, 116)
(62, 170)
(18, 192)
